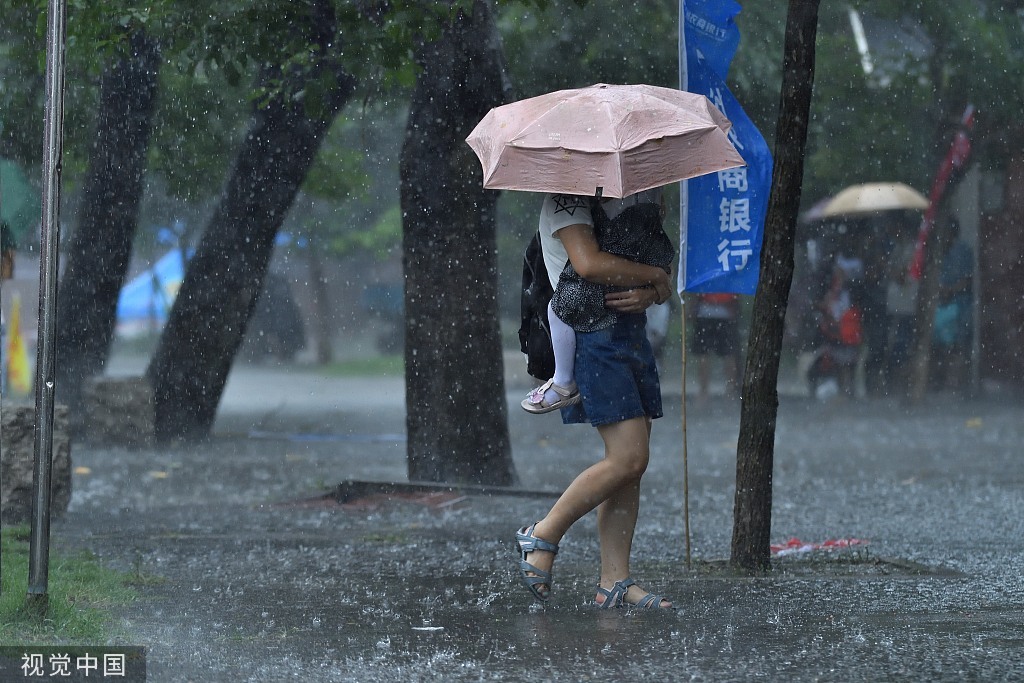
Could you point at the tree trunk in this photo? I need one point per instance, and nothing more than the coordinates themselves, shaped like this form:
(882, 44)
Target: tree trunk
(752, 512)
(456, 412)
(100, 247)
(225, 276)
(321, 305)
(927, 300)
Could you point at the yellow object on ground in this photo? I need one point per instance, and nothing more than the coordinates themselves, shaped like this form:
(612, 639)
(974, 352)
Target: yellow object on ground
(18, 373)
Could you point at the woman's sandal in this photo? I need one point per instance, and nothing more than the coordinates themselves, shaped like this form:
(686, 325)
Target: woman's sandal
(535, 402)
(616, 597)
(529, 543)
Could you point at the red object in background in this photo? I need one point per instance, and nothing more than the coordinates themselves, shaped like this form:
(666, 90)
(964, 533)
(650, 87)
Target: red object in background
(955, 160)
(795, 545)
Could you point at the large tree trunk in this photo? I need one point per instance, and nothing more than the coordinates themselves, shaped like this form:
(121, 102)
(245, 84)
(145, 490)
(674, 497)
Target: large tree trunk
(927, 301)
(456, 412)
(324, 334)
(207, 324)
(100, 247)
(752, 514)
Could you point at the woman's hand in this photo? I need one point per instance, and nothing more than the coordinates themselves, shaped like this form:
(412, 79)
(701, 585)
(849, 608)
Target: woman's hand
(663, 287)
(632, 300)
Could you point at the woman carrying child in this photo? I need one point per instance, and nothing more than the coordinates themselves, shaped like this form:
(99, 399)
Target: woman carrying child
(612, 383)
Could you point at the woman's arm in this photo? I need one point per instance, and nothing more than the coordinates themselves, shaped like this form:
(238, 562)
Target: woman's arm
(636, 300)
(607, 269)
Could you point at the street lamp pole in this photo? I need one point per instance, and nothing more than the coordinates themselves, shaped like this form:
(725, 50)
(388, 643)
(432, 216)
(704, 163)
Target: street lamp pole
(53, 131)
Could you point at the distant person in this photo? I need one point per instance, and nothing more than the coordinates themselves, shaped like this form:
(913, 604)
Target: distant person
(952, 330)
(658, 318)
(900, 309)
(7, 247)
(716, 333)
(841, 327)
(871, 295)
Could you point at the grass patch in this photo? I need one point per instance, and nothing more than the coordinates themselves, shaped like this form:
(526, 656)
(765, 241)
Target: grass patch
(370, 366)
(81, 593)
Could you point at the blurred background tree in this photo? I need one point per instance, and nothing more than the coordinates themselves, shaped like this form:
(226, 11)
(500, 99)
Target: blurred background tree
(883, 122)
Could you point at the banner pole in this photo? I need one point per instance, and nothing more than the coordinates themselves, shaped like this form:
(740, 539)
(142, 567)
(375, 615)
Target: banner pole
(684, 84)
(686, 464)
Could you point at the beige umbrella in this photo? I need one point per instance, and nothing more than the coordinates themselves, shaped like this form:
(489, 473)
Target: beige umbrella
(872, 197)
(615, 140)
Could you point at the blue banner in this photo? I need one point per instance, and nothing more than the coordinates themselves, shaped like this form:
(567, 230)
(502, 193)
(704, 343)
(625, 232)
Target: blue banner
(722, 214)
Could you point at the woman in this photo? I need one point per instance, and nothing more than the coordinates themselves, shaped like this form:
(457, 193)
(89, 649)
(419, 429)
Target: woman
(620, 395)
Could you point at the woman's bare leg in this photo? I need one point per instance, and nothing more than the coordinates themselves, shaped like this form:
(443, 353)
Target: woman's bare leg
(625, 460)
(616, 523)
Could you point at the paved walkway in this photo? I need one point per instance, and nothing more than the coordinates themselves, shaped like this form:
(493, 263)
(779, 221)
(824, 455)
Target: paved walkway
(253, 576)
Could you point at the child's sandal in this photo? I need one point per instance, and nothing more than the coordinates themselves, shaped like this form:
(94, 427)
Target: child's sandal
(537, 404)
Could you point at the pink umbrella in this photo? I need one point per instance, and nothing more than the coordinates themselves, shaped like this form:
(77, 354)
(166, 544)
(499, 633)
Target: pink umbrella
(615, 140)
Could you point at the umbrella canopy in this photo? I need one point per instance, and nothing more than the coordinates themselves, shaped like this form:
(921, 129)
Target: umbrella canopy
(19, 204)
(615, 140)
(872, 197)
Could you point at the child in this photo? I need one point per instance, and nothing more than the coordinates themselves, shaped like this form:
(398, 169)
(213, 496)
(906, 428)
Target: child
(630, 228)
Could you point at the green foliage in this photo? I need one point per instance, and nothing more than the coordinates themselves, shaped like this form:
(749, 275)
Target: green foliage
(891, 124)
(211, 55)
(930, 59)
(557, 45)
(380, 239)
(199, 121)
(339, 173)
(81, 593)
(859, 130)
(350, 197)
(370, 366)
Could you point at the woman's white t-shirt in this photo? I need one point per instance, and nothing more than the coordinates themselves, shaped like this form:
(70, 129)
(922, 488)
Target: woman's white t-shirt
(561, 210)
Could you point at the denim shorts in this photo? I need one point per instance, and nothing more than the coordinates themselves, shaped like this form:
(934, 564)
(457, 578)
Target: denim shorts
(616, 374)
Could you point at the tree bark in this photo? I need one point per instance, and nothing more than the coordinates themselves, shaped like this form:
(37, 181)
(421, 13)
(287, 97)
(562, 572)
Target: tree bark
(456, 412)
(752, 512)
(100, 248)
(321, 305)
(927, 301)
(225, 276)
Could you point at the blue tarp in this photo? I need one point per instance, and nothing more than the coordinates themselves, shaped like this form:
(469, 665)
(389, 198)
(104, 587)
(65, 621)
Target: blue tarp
(146, 300)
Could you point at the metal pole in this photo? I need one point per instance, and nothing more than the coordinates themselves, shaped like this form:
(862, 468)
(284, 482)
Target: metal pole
(53, 129)
(686, 459)
(684, 84)
(976, 285)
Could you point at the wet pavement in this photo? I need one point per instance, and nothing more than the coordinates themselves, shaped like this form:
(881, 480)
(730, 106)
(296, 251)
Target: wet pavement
(250, 574)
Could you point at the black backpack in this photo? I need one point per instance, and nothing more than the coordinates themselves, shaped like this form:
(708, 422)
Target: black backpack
(534, 333)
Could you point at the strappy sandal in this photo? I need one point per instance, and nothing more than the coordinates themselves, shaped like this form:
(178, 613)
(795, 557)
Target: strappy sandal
(535, 402)
(529, 543)
(616, 597)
